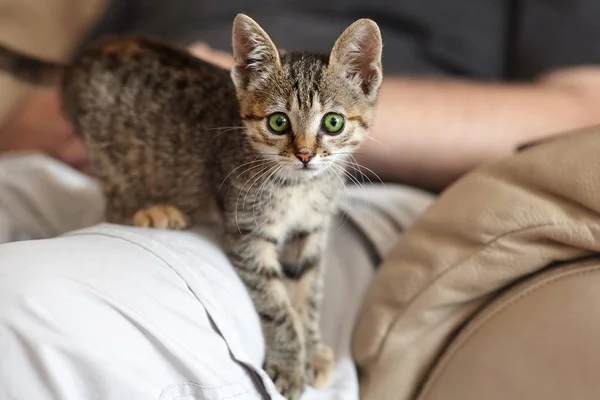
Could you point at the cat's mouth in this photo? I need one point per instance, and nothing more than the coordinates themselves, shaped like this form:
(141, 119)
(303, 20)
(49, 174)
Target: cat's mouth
(301, 170)
(309, 168)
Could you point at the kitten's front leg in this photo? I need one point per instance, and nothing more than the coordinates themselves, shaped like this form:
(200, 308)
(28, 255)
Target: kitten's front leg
(119, 208)
(161, 216)
(302, 264)
(255, 259)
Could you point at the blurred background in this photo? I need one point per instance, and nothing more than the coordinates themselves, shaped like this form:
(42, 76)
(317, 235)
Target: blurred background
(482, 39)
(466, 81)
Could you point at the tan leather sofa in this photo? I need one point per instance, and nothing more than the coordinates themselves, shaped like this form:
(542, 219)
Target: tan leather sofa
(494, 293)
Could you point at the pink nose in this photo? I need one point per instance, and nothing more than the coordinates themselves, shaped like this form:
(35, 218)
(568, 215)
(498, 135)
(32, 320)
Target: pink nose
(305, 156)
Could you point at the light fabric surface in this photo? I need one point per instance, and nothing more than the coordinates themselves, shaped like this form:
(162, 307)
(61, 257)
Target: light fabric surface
(112, 312)
(501, 224)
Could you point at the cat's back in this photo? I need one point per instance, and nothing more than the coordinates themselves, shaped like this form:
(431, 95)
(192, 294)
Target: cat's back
(141, 81)
(148, 113)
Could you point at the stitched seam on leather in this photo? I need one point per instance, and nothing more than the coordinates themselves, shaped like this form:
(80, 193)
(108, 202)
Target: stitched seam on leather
(484, 321)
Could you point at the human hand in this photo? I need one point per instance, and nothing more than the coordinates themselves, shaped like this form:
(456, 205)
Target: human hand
(38, 124)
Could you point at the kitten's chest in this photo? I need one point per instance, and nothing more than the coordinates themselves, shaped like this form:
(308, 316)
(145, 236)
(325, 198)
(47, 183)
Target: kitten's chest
(297, 209)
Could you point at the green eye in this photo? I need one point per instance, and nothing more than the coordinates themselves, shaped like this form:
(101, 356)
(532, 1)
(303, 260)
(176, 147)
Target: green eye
(278, 123)
(333, 123)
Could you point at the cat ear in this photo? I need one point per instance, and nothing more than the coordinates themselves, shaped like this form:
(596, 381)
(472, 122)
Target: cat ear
(255, 56)
(357, 55)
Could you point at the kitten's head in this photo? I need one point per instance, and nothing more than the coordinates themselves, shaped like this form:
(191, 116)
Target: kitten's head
(305, 111)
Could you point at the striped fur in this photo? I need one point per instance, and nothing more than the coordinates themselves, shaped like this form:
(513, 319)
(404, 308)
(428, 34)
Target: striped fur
(174, 140)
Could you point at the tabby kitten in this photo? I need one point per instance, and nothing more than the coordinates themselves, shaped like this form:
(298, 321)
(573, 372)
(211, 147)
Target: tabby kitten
(174, 140)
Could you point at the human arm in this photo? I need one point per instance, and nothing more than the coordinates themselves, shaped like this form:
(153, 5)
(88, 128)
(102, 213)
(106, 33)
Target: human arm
(37, 124)
(31, 118)
(428, 132)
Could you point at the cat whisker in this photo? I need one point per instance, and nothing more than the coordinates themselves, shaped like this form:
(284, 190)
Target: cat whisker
(252, 179)
(369, 137)
(225, 127)
(356, 172)
(267, 162)
(356, 167)
(262, 186)
(263, 168)
(241, 166)
(224, 130)
(237, 201)
(357, 184)
(341, 180)
(247, 170)
(369, 170)
(361, 167)
(269, 200)
(345, 191)
(279, 181)
(260, 189)
(256, 201)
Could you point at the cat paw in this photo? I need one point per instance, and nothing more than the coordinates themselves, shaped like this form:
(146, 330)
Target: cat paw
(289, 381)
(319, 366)
(161, 217)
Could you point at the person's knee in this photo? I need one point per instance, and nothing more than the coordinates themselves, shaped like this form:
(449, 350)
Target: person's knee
(26, 280)
(39, 275)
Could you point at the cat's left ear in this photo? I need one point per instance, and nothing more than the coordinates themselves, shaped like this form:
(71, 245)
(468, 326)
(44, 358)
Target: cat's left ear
(255, 56)
(357, 55)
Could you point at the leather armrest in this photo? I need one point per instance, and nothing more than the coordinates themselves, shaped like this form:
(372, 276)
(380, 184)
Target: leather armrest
(539, 340)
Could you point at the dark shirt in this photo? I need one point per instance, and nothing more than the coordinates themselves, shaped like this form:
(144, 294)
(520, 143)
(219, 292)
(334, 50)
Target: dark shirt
(481, 39)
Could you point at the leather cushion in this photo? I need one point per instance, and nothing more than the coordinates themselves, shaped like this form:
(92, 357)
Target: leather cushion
(495, 226)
